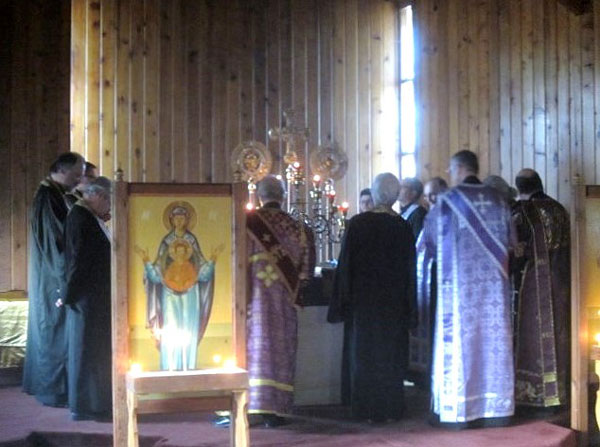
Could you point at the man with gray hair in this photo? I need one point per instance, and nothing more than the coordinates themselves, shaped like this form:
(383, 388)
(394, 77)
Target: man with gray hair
(411, 190)
(374, 295)
(87, 301)
(281, 260)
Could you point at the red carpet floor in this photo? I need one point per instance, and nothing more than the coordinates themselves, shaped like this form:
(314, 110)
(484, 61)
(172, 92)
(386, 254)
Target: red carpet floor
(21, 417)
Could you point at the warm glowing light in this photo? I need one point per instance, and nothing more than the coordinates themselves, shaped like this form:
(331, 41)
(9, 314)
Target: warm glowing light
(136, 368)
(296, 165)
(279, 177)
(597, 338)
(217, 358)
(316, 178)
(345, 205)
(229, 363)
(249, 206)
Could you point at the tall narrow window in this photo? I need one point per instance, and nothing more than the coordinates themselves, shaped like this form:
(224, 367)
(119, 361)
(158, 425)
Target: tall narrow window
(408, 165)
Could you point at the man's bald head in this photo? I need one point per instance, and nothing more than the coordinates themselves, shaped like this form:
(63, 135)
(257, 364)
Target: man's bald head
(528, 182)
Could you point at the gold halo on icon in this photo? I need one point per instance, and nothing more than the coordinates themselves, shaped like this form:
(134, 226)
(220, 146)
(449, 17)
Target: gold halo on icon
(191, 212)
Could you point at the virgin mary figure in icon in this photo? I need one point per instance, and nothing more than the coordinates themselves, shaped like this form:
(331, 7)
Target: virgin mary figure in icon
(179, 287)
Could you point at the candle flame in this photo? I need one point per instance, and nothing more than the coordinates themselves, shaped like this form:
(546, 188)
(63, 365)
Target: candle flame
(316, 178)
(597, 338)
(229, 363)
(217, 358)
(249, 206)
(345, 205)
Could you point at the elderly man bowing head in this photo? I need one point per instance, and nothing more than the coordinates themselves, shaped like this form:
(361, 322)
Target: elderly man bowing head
(87, 300)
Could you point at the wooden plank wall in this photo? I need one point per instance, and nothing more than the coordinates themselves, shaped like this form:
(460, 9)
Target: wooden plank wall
(34, 100)
(514, 81)
(165, 90)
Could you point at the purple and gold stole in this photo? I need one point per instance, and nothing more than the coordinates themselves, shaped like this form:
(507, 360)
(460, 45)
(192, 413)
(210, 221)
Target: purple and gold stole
(263, 233)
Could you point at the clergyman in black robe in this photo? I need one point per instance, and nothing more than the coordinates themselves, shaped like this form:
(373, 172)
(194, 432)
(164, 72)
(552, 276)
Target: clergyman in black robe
(44, 374)
(87, 301)
(374, 294)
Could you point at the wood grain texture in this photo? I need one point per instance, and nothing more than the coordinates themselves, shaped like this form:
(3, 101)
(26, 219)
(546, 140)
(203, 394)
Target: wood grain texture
(513, 80)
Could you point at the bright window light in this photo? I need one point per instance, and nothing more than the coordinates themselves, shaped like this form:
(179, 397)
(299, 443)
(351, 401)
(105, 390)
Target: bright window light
(408, 165)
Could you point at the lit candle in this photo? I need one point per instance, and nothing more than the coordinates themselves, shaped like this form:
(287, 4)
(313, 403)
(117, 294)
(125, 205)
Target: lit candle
(184, 345)
(249, 206)
(331, 196)
(135, 368)
(317, 181)
(229, 363)
(344, 207)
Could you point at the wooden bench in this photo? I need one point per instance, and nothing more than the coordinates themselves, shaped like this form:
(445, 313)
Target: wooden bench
(186, 391)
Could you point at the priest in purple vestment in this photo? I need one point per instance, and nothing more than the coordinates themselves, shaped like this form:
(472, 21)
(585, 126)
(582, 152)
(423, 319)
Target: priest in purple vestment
(281, 256)
(469, 234)
(542, 278)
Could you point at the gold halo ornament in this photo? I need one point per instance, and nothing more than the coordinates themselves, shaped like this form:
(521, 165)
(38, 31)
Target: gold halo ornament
(329, 162)
(189, 209)
(252, 160)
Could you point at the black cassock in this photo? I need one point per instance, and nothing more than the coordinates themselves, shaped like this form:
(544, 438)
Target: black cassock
(87, 301)
(374, 294)
(44, 373)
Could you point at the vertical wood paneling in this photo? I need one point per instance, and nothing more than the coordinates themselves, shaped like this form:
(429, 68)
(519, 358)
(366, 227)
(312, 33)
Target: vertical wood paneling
(339, 80)
(123, 89)
(151, 108)
(258, 60)
(520, 77)
(107, 67)
(92, 88)
(539, 92)
(378, 160)
(167, 89)
(6, 36)
(35, 99)
(351, 50)
(596, 25)
(551, 85)
(78, 74)
(136, 84)
(178, 140)
(564, 140)
(363, 165)
(272, 83)
(22, 97)
(527, 84)
(165, 111)
(587, 98)
(193, 84)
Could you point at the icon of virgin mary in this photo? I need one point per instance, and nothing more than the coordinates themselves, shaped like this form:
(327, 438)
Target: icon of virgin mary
(179, 287)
